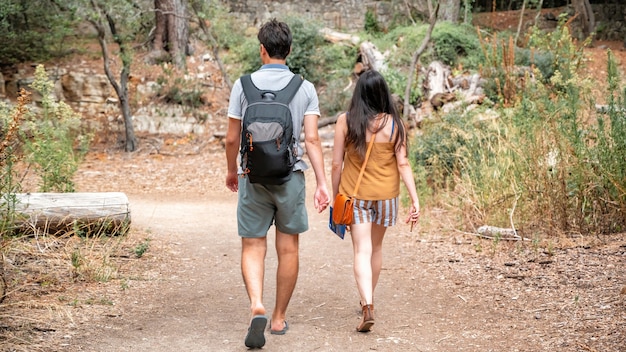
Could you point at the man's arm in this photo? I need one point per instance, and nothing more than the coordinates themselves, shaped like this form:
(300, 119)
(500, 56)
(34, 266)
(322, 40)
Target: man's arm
(232, 142)
(316, 157)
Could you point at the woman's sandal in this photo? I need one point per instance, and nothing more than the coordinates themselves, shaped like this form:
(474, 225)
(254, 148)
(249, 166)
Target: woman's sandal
(367, 319)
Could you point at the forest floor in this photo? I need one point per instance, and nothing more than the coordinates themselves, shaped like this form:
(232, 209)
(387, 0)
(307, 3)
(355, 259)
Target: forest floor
(174, 283)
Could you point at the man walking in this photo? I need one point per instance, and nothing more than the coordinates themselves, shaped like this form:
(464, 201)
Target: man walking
(261, 204)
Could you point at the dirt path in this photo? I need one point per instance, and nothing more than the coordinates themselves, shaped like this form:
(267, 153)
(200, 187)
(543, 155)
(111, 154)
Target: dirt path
(440, 289)
(190, 296)
(199, 303)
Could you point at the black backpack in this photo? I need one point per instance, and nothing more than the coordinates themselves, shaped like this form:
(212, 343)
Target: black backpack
(268, 146)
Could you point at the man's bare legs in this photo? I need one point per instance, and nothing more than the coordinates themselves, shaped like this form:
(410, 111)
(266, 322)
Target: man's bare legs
(253, 252)
(286, 276)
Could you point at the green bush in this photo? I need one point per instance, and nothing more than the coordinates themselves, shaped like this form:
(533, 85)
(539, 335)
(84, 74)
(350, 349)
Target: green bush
(459, 156)
(245, 56)
(543, 155)
(609, 151)
(565, 56)
(456, 44)
(307, 40)
(402, 42)
(24, 23)
(397, 81)
(54, 142)
(371, 25)
(181, 92)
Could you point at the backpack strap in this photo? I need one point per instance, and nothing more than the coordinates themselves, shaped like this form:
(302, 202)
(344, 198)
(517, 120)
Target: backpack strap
(285, 95)
(252, 93)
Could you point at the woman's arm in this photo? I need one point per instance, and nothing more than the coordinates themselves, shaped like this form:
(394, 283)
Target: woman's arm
(406, 174)
(341, 129)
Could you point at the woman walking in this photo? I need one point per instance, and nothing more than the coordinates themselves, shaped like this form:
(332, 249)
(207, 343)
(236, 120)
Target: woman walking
(372, 114)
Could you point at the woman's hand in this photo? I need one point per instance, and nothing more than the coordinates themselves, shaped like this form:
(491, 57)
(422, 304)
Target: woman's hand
(414, 214)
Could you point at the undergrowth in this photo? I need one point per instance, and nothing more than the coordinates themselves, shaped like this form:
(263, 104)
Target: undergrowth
(43, 138)
(546, 162)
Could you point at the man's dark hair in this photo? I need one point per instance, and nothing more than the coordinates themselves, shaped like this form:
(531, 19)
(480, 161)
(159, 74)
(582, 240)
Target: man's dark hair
(276, 38)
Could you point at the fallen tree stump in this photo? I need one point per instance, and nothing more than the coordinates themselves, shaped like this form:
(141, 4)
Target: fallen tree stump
(99, 213)
(499, 233)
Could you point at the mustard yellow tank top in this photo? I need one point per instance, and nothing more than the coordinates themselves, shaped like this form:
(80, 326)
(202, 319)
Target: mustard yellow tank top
(381, 179)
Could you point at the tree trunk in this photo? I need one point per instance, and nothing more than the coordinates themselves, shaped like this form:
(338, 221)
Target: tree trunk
(450, 10)
(521, 21)
(121, 89)
(131, 141)
(172, 29)
(60, 213)
(587, 18)
(158, 44)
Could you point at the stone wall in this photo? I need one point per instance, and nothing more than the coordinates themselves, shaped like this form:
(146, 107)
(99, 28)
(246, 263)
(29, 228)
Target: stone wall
(349, 15)
(91, 95)
(335, 14)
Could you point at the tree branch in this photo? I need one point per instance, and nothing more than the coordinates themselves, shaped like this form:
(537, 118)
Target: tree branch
(416, 55)
(215, 46)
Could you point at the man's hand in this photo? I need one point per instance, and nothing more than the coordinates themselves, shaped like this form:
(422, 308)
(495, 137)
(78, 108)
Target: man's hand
(232, 181)
(321, 199)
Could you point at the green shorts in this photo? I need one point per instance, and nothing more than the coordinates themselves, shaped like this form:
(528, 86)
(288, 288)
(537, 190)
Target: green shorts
(260, 206)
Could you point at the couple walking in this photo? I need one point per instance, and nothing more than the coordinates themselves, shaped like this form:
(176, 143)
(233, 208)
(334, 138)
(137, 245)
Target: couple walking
(371, 114)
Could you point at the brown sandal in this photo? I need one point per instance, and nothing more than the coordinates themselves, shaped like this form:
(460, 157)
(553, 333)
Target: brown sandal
(367, 320)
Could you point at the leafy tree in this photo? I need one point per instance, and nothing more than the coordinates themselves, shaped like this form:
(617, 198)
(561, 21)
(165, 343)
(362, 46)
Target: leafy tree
(115, 21)
(24, 23)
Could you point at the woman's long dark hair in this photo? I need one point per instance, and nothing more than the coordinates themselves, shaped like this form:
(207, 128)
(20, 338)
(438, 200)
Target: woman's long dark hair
(371, 97)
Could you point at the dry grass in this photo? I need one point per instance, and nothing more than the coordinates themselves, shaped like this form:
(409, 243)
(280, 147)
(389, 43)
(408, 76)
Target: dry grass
(49, 277)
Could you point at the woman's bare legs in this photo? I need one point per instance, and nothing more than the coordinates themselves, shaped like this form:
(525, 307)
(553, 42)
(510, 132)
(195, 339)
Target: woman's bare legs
(367, 240)
(367, 244)
(362, 248)
(378, 234)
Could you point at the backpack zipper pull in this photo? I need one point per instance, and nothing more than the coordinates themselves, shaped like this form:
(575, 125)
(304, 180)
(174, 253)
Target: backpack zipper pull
(250, 147)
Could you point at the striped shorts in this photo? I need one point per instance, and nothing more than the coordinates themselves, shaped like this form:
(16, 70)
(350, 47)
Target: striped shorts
(380, 212)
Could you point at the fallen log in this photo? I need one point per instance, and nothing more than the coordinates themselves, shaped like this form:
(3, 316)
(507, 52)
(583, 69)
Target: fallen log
(337, 37)
(371, 57)
(499, 233)
(98, 213)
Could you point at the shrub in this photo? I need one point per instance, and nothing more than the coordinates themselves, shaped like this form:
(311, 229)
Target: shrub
(545, 154)
(307, 40)
(10, 147)
(456, 44)
(23, 23)
(371, 25)
(54, 142)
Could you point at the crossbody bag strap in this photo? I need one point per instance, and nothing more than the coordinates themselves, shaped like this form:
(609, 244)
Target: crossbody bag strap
(367, 155)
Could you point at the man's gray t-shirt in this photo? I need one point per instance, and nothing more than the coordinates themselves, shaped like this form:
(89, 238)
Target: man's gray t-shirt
(276, 77)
